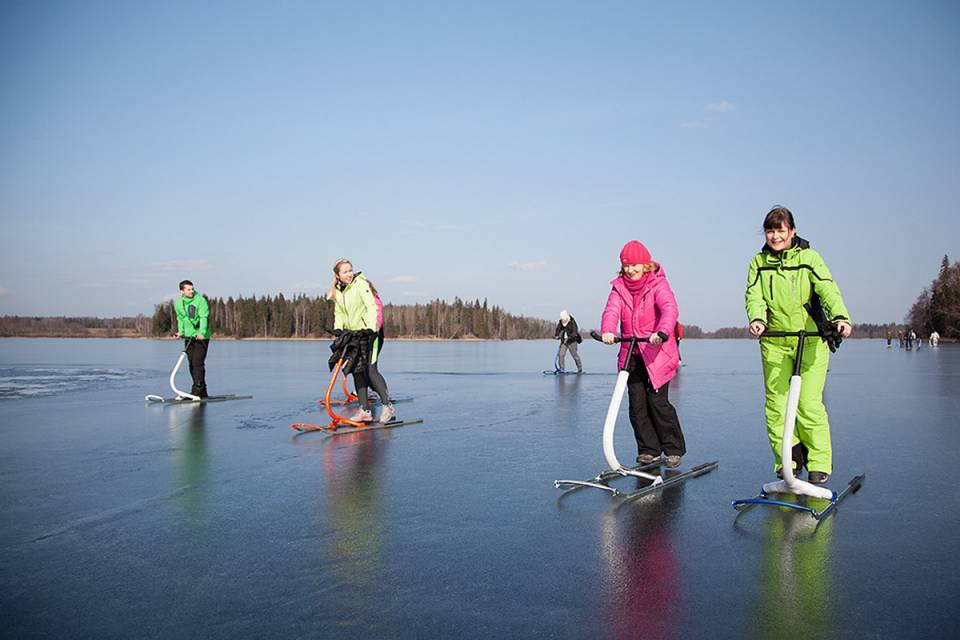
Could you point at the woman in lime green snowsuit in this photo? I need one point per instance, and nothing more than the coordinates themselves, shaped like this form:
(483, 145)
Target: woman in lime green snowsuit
(783, 276)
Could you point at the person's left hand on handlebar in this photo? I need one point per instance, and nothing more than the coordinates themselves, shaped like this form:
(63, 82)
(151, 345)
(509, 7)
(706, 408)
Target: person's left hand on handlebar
(608, 338)
(844, 328)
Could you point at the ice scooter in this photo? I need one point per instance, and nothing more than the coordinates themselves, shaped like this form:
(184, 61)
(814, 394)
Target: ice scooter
(650, 471)
(336, 420)
(790, 484)
(182, 397)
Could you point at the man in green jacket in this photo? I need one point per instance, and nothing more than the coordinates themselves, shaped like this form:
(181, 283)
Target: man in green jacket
(783, 276)
(193, 326)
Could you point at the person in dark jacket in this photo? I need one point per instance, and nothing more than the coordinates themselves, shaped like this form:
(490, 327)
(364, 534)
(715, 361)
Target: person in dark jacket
(569, 336)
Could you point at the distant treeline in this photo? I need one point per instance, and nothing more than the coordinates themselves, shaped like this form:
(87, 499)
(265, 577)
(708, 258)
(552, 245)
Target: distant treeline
(63, 327)
(692, 331)
(306, 317)
(938, 306)
(303, 317)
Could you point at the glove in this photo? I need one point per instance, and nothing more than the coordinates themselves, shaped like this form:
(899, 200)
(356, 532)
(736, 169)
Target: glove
(831, 335)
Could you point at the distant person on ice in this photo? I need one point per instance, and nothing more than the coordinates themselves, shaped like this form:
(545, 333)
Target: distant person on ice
(934, 338)
(782, 277)
(355, 308)
(678, 334)
(193, 326)
(642, 304)
(569, 336)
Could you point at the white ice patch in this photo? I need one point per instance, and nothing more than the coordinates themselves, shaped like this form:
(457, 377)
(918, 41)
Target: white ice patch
(33, 381)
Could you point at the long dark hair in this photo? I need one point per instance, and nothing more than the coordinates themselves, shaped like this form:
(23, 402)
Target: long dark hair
(778, 217)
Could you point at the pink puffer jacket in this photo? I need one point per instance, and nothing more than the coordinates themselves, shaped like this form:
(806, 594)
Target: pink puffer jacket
(656, 310)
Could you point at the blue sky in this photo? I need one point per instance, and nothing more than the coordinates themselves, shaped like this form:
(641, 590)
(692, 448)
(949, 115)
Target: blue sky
(499, 150)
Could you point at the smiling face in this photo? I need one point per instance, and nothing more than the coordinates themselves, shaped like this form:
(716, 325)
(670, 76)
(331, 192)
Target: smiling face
(780, 238)
(187, 290)
(345, 273)
(633, 271)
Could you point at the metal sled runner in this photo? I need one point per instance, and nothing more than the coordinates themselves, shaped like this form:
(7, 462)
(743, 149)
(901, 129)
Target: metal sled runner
(649, 472)
(790, 484)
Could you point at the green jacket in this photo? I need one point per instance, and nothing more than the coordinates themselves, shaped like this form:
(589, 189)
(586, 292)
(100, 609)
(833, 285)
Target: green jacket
(354, 307)
(193, 315)
(778, 285)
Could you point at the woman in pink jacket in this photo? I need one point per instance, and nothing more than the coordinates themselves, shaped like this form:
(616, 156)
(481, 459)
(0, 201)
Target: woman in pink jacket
(643, 304)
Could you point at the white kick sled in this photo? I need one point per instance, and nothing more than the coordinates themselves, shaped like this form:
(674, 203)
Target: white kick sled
(182, 397)
(649, 472)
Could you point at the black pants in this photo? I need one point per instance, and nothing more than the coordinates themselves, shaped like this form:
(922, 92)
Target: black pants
(196, 354)
(655, 423)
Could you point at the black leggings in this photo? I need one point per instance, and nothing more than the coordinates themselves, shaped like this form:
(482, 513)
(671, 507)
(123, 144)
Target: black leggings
(372, 377)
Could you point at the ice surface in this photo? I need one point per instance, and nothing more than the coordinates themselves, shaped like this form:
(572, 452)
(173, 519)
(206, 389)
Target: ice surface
(122, 519)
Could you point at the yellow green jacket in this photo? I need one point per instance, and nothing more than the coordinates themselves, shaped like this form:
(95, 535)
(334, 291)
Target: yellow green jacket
(354, 307)
(779, 284)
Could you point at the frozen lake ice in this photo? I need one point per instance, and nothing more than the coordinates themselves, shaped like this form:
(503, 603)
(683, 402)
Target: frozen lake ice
(123, 519)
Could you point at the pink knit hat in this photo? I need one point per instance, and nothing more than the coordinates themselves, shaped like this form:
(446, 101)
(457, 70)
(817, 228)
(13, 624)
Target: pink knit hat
(634, 253)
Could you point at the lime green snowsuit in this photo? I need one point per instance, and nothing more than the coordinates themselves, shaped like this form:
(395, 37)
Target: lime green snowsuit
(354, 308)
(778, 285)
(193, 316)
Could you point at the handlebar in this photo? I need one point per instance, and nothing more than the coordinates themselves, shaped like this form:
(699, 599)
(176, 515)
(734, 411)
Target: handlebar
(596, 336)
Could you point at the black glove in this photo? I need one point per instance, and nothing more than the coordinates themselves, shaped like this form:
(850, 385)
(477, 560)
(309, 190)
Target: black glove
(831, 335)
(828, 330)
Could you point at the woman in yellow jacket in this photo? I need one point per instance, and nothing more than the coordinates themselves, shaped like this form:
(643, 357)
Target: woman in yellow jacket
(784, 276)
(355, 309)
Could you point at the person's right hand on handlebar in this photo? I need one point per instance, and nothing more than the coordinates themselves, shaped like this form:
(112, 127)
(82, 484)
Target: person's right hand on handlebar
(608, 338)
(757, 328)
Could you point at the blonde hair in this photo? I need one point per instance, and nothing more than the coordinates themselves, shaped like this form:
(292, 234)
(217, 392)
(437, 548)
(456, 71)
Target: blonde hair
(336, 277)
(647, 268)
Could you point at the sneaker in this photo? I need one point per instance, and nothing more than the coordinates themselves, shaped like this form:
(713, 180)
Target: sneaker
(387, 413)
(673, 462)
(648, 458)
(362, 415)
(819, 477)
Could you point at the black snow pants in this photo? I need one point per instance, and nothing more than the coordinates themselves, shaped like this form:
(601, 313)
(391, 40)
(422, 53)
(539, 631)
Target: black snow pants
(655, 423)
